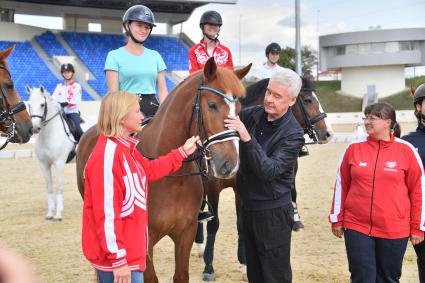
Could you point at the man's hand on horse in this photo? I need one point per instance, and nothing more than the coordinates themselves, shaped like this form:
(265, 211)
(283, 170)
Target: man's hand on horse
(415, 239)
(338, 231)
(234, 123)
(191, 144)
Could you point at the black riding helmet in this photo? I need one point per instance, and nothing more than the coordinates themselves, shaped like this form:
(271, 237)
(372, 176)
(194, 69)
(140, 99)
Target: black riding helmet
(210, 17)
(273, 47)
(419, 94)
(139, 13)
(67, 67)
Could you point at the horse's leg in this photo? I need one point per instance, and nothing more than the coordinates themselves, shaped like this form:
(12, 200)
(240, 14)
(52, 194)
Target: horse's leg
(298, 225)
(149, 275)
(199, 238)
(59, 166)
(214, 189)
(241, 237)
(183, 242)
(45, 169)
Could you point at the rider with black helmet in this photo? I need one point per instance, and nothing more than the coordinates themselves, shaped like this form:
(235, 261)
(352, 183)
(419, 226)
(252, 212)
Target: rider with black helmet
(135, 68)
(417, 139)
(68, 94)
(209, 46)
(267, 69)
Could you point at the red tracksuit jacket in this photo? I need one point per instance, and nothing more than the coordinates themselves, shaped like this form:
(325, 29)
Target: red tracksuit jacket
(115, 202)
(380, 189)
(198, 56)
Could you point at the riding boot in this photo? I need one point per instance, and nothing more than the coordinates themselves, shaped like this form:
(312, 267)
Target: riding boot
(50, 206)
(298, 225)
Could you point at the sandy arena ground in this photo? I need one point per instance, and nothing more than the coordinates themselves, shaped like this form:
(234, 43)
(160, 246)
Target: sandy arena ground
(55, 247)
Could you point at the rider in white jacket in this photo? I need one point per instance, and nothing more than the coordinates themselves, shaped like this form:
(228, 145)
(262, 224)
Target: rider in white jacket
(68, 94)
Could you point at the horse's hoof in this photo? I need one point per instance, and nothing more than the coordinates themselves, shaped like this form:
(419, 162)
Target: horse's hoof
(208, 277)
(48, 217)
(298, 226)
(57, 219)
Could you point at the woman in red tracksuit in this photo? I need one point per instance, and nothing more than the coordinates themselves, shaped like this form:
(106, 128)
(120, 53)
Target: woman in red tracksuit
(378, 201)
(209, 46)
(115, 219)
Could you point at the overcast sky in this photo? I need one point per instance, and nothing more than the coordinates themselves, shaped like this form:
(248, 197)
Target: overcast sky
(250, 25)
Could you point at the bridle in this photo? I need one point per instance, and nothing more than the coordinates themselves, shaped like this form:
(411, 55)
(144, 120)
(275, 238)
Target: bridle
(7, 112)
(203, 156)
(309, 128)
(45, 121)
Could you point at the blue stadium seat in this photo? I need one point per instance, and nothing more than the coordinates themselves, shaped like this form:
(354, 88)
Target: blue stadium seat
(51, 45)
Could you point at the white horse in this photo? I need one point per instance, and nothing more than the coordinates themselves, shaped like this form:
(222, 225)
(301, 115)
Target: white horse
(53, 144)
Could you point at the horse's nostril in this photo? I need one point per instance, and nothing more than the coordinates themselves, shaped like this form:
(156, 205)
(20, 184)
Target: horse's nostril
(225, 168)
(30, 131)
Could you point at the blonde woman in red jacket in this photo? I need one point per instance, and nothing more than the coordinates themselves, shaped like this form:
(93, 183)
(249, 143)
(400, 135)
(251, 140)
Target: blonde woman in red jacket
(115, 216)
(378, 201)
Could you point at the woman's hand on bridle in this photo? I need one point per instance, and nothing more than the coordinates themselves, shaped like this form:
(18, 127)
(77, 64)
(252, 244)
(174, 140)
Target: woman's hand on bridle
(191, 144)
(234, 123)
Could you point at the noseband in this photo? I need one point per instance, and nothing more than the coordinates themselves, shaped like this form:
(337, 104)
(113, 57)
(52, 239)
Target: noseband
(309, 127)
(220, 137)
(7, 112)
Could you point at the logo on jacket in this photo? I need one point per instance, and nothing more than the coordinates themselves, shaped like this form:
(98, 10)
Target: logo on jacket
(363, 164)
(390, 166)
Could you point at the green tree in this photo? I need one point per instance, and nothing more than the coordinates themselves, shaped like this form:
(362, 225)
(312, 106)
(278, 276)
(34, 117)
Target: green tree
(308, 58)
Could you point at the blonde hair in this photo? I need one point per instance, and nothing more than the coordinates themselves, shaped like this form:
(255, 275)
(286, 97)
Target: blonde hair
(114, 107)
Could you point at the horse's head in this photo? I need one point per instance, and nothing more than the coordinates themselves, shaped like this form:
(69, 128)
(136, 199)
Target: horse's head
(218, 97)
(14, 120)
(38, 106)
(310, 114)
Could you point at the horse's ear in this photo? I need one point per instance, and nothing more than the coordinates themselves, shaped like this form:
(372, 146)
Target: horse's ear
(4, 54)
(241, 73)
(28, 89)
(42, 89)
(210, 69)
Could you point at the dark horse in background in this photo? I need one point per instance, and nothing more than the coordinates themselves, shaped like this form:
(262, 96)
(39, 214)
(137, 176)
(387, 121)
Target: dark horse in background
(15, 122)
(309, 113)
(197, 106)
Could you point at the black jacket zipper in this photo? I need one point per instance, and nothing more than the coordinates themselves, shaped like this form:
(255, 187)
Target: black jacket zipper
(373, 185)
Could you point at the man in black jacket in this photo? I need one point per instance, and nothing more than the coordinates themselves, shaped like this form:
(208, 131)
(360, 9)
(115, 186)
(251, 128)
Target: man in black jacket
(270, 141)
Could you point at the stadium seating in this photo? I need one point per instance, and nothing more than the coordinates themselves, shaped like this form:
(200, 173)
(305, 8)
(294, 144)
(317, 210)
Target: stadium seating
(27, 68)
(51, 45)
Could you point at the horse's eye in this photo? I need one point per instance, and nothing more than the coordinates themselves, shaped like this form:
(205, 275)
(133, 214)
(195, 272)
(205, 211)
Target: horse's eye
(9, 85)
(308, 100)
(42, 104)
(213, 106)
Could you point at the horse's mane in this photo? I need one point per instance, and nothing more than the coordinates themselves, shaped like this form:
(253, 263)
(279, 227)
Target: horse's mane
(254, 90)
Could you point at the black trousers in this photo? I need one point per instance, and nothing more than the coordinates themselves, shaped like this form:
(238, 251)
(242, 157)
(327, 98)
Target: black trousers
(268, 244)
(373, 259)
(148, 104)
(420, 252)
(75, 118)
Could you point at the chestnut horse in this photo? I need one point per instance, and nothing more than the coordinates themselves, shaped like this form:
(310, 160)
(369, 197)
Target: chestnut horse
(15, 122)
(311, 117)
(197, 106)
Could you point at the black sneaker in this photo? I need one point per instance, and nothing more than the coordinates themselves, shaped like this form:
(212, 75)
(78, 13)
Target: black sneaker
(205, 216)
(298, 225)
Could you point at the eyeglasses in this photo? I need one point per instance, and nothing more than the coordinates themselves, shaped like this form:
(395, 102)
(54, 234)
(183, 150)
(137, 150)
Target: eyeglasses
(371, 118)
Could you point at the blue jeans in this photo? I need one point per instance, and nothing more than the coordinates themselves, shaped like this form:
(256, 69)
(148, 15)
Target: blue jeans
(108, 277)
(374, 260)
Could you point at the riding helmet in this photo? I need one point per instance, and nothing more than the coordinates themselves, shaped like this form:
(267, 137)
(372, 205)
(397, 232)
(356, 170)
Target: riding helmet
(67, 67)
(419, 94)
(273, 47)
(139, 13)
(210, 17)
